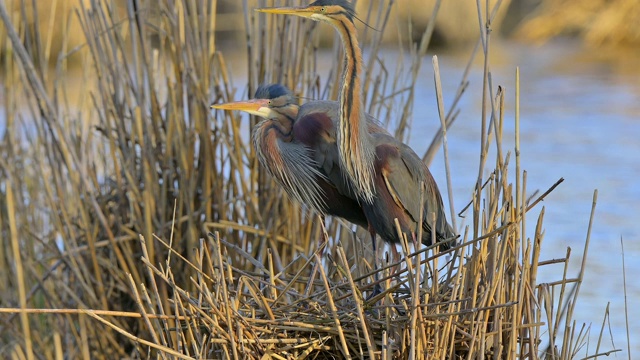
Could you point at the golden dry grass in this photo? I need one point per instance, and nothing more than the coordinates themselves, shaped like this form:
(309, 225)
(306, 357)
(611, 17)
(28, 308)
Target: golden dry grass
(139, 224)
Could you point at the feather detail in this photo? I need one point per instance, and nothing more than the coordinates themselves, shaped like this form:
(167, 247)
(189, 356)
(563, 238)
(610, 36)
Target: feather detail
(357, 153)
(290, 164)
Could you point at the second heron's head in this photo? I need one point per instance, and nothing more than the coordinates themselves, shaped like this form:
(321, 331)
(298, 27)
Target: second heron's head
(270, 101)
(331, 11)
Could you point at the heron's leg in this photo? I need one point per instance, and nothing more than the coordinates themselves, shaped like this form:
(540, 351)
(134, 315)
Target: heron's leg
(320, 249)
(376, 288)
(416, 247)
(395, 258)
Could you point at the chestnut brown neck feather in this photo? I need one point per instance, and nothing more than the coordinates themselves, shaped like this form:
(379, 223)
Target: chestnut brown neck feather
(356, 150)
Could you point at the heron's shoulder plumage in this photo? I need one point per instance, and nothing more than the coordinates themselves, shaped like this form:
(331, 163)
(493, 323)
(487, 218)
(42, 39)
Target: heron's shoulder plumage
(316, 127)
(331, 109)
(327, 107)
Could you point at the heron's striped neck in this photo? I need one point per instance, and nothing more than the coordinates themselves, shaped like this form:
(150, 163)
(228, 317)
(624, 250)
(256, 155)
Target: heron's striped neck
(356, 150)
(288, 113)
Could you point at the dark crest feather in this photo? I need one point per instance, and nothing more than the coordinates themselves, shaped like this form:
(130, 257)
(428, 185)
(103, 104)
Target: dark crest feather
(272, 91)
(348, 7)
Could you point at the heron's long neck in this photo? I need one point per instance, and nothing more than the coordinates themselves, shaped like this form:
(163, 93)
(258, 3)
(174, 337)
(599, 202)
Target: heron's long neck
(355, 145)
(285, 121)
(351, 104)
(280, 129)
(268, 136)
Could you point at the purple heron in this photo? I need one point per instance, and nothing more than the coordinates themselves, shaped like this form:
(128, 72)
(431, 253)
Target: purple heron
(356, 151)
(297, 146)
(387, 175)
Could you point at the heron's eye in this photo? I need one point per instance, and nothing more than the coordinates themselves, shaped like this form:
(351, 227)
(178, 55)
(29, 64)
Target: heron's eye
(323, 9)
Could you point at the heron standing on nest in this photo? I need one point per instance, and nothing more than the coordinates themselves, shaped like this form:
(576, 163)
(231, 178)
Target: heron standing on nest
(385, 173)
(297, 146)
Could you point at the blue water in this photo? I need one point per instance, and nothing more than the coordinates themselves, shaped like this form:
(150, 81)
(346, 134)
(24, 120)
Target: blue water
(580, 120)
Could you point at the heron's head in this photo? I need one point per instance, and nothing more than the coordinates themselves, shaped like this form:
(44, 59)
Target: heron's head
(331, 11)
(270, 102)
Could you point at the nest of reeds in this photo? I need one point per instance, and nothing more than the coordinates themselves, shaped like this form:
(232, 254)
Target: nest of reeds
(433, 305)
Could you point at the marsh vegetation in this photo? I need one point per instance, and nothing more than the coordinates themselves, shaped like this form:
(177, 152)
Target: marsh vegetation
(136, 222)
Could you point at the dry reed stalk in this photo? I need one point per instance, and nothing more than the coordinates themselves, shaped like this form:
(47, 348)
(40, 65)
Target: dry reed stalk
(20, 278)
(334, 310)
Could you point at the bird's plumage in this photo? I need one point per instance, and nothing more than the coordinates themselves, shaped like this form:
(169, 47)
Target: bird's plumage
(399, 175)
(272, 91)
(297, 147)
(291, 165)
(327, 155)
(384, 173)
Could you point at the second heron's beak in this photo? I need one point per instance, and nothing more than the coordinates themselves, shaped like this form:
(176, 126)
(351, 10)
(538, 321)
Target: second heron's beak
(305, 11)
(258, 107)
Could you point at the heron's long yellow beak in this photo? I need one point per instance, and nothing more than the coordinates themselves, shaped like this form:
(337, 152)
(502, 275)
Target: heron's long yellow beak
(248, 105)
(258, 107)
(304, 11)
